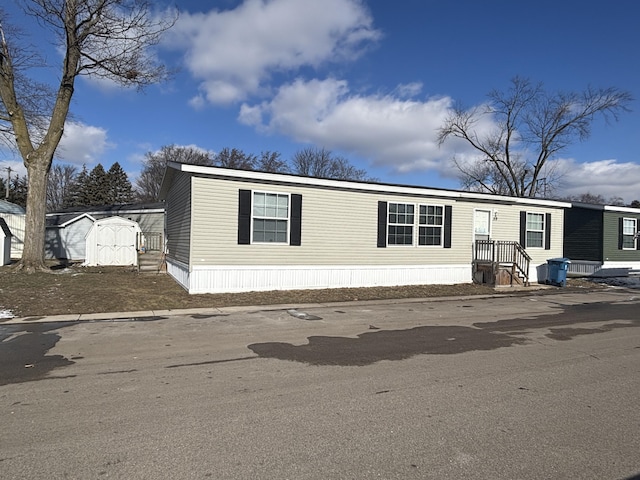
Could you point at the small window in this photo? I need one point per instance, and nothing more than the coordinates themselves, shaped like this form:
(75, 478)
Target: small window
(535, 230)
(400, 226)
(628, 233)
(431, 220)
(270, 217)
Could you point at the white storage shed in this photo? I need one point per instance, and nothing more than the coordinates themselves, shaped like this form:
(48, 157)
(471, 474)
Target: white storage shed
(112, 241)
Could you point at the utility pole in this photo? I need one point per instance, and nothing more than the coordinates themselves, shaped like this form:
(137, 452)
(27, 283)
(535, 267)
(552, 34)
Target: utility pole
(6, 190)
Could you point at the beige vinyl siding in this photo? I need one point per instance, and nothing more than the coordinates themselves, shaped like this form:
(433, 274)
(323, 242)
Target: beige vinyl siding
(339, 227)
(507, 227)
(179, 218)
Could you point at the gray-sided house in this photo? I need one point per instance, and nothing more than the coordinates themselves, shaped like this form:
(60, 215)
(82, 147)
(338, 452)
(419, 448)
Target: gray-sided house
(14, 216)
(602, 239)
(65, 236)
(231, 230)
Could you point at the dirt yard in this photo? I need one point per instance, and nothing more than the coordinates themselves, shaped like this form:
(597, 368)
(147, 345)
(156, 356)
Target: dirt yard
(75, 289)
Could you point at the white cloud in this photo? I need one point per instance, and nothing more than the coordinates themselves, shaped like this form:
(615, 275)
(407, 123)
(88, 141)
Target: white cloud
(609, 178)
(82, 144)
(234, 52)
(391, 131)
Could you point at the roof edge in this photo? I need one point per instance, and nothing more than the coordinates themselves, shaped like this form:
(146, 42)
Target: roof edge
(373, 187)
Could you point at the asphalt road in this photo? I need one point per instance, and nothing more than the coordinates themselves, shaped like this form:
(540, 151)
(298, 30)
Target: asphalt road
(544, 386)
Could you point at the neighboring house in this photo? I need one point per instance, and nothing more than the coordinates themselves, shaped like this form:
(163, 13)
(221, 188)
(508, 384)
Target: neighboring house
(14, 216)
(602, 239)
(231, 230)
(149, 216)
(65, 236)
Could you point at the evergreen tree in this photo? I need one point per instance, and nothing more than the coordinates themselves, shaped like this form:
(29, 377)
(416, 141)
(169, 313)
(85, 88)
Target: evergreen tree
(98, 188)
(18, 190)
(121, 191)
(77, 195)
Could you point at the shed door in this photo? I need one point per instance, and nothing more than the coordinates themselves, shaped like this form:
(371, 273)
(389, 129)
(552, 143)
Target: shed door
(482, 224)
(116, 244)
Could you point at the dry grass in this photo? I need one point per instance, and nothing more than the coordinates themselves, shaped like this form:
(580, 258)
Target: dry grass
(75, 289)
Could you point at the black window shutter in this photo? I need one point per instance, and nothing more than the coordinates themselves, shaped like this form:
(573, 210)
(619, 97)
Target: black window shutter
(447, 226)
(295, 235)
(547, 231)
(244, 217)
(638, 237)
(382, 224)
(620, 231)
(523, 229)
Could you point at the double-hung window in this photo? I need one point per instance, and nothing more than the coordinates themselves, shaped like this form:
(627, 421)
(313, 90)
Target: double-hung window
(628, 233)
(270, 217)
(430, 222)
(535, 230)
(400, 225)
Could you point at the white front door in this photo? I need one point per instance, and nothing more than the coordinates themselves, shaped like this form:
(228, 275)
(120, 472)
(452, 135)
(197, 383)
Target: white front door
(481, 225)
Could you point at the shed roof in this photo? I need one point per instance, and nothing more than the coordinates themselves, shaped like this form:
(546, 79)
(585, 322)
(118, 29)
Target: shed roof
(8, 207)
(153, 207)
(64, 219)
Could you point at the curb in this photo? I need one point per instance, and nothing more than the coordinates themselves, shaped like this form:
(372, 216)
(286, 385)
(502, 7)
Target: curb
(218, 311)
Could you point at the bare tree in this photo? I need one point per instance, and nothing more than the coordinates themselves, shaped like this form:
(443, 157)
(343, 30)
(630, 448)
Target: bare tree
(61, 178)
(235, 158)
(342, 169)
(312, 162)
(531, 126)
(103, 38)
(272, 163)
(150, 179)
(320, 162)
(595, 199)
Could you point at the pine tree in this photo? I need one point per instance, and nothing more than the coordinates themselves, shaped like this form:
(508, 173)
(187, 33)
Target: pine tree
(98, 188)
(121, 191)
(18, 191)
(77, 195)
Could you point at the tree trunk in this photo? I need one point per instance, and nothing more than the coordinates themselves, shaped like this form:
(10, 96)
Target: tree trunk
(33, 253)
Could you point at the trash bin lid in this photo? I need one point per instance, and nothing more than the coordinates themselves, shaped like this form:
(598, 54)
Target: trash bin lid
(559, 260)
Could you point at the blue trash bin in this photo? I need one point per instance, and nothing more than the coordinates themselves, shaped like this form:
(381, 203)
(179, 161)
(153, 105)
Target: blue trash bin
(557, 271)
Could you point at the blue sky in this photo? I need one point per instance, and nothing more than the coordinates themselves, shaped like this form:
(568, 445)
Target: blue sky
(369, 80)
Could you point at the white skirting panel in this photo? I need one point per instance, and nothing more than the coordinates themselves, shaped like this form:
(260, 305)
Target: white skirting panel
(629, 265)
(179, 271)
(227, 279)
